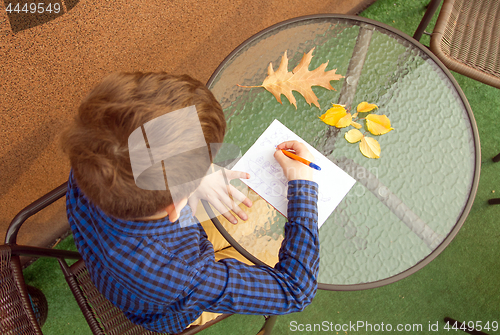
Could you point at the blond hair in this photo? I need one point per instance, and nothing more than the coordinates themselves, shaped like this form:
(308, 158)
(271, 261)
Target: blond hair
(97, 140)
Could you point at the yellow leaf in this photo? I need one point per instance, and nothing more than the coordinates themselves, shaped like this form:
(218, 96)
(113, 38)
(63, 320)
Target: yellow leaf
(369, 147)
(365, 107)
(345, 121)
(378, 124)
(300, 80)
(353, 136)
(338, 107)
(333, 115)
(356, 125)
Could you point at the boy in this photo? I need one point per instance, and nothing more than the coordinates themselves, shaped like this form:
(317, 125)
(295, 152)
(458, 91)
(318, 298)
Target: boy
(162, 274)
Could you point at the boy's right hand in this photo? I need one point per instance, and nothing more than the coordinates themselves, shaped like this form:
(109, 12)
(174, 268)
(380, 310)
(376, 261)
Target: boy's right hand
(294, 170)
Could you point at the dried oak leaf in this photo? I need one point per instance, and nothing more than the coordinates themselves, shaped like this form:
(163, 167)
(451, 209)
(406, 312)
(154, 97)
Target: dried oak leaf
(300, 80)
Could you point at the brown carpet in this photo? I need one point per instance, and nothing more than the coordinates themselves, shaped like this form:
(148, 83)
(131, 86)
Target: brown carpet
(50, 62)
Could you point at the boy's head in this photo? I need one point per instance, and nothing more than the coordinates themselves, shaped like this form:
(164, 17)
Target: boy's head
(97, 141)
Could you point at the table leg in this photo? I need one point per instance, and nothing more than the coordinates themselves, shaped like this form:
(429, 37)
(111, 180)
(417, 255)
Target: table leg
(268, 325)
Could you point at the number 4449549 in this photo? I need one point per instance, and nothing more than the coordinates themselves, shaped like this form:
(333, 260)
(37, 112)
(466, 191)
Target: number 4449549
(33, 8)
(471, 325)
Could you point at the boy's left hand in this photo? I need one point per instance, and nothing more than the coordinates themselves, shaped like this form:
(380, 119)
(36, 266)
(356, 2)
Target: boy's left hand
(215, 188)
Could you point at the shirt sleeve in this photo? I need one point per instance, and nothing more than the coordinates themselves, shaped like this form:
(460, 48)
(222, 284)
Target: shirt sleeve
(230, 286)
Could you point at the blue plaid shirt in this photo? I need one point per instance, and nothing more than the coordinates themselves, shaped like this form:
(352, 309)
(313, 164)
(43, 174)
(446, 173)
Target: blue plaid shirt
(163, 276)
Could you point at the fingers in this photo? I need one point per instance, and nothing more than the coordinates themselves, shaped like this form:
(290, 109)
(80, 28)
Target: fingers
(241, 214)
(280, 157)
(236, 174)
(234, 193)
(299, 148)
(237, 195)
(222, 195)
(219, 206)
(292, 145)
(227, 199)
(294, 169)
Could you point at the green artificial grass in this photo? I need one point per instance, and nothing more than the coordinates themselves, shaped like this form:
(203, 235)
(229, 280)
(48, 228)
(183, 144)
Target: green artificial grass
(462, 282)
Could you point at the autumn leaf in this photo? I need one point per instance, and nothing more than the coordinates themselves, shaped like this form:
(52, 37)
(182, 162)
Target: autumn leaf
(300, 80)
(355, 124)
(365, 107)
(369, 147)
(345, 121)
(353, 136)
(333, 115)
(337, 116)
(378, 124)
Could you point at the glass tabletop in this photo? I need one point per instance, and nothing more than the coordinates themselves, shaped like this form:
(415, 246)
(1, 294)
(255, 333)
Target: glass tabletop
(406, 206)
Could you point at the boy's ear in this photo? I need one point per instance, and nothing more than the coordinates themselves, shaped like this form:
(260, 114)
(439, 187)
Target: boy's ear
(174, 210)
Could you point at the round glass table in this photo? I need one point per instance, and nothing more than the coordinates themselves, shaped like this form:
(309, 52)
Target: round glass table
(406, 206)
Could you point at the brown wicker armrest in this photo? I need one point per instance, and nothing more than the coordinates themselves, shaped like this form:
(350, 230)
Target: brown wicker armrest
(466, 39)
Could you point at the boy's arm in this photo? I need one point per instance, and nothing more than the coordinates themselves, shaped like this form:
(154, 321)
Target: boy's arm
(229, 286)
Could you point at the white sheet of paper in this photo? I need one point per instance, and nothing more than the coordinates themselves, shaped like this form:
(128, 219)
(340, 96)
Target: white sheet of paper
(267, 178)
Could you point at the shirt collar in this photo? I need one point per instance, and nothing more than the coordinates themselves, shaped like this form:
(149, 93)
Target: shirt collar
(140, 227)
(157, 227)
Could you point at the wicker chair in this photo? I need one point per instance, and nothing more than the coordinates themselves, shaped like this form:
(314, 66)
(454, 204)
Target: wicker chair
(466, 38)
(23, 309)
